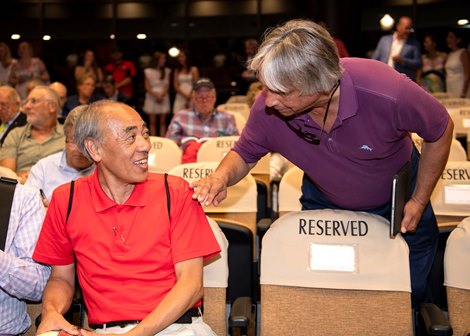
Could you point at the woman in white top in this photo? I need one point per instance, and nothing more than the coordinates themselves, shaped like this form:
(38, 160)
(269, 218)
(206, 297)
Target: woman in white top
(6, 63)
(157, 100)
(457, 67)
(27, 68)
(184, 77)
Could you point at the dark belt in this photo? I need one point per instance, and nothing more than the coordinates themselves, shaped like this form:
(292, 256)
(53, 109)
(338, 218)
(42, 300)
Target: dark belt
(186, 318)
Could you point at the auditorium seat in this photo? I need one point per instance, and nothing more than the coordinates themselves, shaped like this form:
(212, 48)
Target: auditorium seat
(242, 108)
(290, 191)
(451, 196)
(457, 277)
(164, 155)
(215, 284)
(241, 201)
(334, 272)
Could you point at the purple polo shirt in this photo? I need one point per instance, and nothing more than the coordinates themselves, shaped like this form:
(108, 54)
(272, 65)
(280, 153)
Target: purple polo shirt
(369, 142)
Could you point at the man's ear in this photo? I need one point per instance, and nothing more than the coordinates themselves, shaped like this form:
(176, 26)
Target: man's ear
(93, 148)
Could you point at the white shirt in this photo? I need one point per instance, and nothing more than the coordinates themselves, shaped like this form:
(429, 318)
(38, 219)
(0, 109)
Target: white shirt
(395, 49)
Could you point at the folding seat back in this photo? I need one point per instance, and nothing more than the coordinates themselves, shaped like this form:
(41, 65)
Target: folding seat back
(242, 108)
(215, 284)
(457, 277)
(290, 191)
(334, 272)
(451, 196)
(461, 118)
(164, 155)
(241, 201)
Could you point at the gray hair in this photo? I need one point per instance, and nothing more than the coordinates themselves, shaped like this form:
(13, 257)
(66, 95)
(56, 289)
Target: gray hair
(89, 124)
(12, 93)
(72, 117)
(299, 55)
(50, 95)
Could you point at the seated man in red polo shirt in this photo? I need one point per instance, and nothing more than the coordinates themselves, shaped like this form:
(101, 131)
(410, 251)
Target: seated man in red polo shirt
(138, 256)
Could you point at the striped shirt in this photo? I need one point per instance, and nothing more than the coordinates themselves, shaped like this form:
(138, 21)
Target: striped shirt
(20, 277)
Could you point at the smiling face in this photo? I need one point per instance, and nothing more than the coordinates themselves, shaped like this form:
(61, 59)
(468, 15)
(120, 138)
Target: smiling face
(122, 152)
(86, 87)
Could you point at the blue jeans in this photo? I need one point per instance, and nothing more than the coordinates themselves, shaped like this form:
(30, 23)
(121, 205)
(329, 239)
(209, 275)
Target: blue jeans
(422, 243)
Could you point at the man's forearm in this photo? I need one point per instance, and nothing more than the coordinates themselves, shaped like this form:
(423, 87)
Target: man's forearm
(58, 296)
(434, 157)
(233, 168)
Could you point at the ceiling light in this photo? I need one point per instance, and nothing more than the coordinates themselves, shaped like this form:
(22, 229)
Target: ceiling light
(386, 22)
(462, 22)
(46, 37)
(15, 36)
(141, 36)
(174, 52)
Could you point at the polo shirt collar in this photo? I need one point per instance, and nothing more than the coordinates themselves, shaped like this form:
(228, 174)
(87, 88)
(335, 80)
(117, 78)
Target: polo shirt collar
(56, 130)
(348, 105)
(102, 202)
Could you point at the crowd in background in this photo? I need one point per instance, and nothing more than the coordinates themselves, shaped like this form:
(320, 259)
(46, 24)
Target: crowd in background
(159, 86)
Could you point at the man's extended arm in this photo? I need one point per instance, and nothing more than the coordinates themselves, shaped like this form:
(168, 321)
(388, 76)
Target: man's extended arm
(433, 160)
(57, 299)
(213, 189)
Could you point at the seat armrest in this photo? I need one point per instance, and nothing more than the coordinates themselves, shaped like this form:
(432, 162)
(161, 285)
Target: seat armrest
(241, 312)
(435, 322)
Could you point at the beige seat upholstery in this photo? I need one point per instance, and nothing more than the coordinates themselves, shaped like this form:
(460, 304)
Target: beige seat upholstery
(440, 95)
(237, 99)
(334, 272)
(7, 172)
(215, 285)
(451, 196)
(290, 191)
(457, 277)
(240, 120)
(461, 118)
(164, 155)
(241, 201)
(214, 149)
(457, 152)
(242, 108)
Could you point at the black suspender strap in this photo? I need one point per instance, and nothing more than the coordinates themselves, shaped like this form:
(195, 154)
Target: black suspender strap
(167, 188)
(69, 208)
(7, 191)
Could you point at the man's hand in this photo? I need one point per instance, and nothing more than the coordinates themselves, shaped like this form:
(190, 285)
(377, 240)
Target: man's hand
(412, 214)
(398, 59)
(209, 190)
(55, 321)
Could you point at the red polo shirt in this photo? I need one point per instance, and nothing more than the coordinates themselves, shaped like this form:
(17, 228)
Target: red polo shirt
(125, 252)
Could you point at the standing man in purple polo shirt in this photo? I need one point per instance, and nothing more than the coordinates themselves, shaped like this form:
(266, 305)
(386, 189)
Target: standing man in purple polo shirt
(346, 124)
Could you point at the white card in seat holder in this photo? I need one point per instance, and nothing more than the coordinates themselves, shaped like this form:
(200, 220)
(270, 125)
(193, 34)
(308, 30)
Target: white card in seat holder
(457, 194)
(336, 258)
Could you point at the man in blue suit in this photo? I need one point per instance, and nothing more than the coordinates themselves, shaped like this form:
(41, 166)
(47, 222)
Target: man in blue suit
(399, 50)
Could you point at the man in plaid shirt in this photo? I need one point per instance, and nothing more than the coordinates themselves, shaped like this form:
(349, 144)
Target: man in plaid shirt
(189, 127)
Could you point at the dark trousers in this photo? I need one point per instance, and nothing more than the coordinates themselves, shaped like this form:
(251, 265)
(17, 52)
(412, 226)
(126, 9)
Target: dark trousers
(422, 243)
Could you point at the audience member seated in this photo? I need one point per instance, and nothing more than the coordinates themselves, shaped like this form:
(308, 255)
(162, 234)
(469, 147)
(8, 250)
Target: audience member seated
(111, 93)
(22, 279)
(85, 93)
(6, 63)
(10, 114)
(26, 68)
(61, 90)
(40, 137)
(136, 272)
(431, 76)
(189, 127)
(62, 167)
